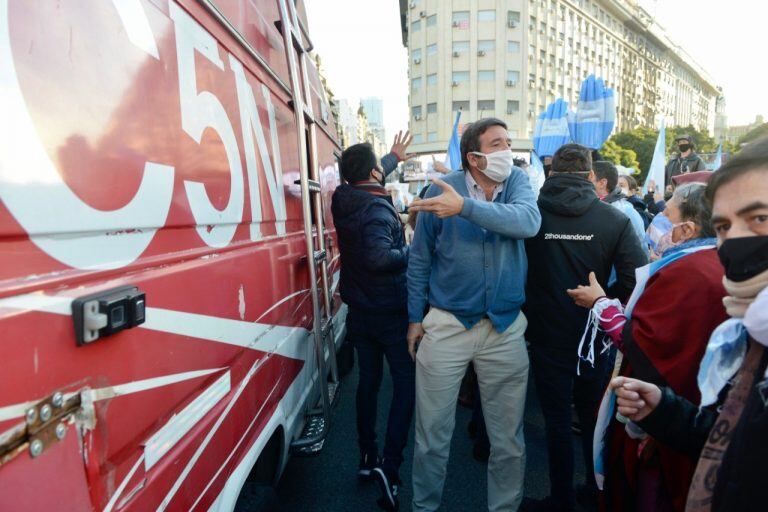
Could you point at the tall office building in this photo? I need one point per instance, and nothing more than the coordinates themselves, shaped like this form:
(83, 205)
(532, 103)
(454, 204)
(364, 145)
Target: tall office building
(511, 58)
(374, 111)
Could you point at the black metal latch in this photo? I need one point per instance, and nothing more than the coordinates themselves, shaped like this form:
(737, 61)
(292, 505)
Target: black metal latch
(108, 312)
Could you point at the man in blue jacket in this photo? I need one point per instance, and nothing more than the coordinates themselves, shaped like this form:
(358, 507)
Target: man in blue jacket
(468, 264)
(372, 283)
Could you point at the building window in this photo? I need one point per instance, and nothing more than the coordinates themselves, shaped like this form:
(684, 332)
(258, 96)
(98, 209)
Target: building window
(486, 105)
(513, 76)
(487, 45)
(460, 46)
(460, 105)
(486, 15)
(416, 83)
(432, 79)
(461, 20)
(432, 137)
(531, 50)
(432, 20)
(486, 76)
(513, 46)
(417, 138)
(513, 18)
(416, 54)
(432, 49)
(461, 76)
(416, 111)
(513, 106)
(416, 26)
(431, 108)
(514, 134)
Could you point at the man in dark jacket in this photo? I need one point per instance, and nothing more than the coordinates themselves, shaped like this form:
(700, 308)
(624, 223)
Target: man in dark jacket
(579, 233)
(374, 258)
(730, 441)
(686, 161)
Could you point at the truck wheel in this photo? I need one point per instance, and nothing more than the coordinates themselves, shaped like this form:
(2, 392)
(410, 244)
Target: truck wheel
(257, 497)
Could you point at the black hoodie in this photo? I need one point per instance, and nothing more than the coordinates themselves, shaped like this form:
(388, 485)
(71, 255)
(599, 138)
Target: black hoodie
(372, 246)
(579, 233)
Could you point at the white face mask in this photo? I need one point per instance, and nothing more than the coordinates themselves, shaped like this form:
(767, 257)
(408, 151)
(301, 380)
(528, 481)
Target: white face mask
(499, 165)
(625, 191)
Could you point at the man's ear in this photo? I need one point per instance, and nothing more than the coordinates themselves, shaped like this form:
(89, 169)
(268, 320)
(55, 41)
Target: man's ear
(476, 161)
(591, 176)
(472, 159)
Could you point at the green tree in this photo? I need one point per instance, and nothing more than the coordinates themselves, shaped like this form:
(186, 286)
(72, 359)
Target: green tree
(642, 142)
(754, 134)
(704, 142)
(619, 155)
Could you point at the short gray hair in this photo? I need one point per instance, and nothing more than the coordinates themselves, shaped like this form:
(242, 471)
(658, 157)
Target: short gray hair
(692, 201)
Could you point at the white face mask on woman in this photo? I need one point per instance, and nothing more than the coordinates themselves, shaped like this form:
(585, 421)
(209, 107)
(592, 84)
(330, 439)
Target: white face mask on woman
(498, 164)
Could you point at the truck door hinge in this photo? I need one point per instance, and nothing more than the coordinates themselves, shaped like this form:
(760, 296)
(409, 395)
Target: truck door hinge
(44, 424)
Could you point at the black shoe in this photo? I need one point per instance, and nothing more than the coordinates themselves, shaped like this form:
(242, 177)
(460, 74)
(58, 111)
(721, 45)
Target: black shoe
(544, 505)
(481, 452)
(389, 488)
(368, 461)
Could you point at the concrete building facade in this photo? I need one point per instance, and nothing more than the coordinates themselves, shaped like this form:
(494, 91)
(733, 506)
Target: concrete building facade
(511, 58)
(735, 133)
(374, 111)
(355, 127)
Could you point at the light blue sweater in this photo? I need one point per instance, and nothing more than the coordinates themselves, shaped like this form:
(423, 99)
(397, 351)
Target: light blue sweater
(473, 264)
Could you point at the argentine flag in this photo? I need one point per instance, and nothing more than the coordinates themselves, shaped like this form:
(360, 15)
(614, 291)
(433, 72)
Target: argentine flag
(453, 158)
(718, 162)
(551, 129)
(536, 173)
(656, 172)
(593, 121)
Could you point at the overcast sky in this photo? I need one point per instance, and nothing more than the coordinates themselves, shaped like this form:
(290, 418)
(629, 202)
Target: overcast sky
(361, 47)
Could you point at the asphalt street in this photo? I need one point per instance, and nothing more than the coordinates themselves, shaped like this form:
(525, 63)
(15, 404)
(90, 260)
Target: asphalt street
(328, 482)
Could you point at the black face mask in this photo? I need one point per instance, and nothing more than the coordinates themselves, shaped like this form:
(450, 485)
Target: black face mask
(684, 147)
(744, 258)
(547, 168)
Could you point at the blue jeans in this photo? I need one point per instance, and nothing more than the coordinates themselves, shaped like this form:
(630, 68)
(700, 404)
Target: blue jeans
(376, 336)
(557, 386)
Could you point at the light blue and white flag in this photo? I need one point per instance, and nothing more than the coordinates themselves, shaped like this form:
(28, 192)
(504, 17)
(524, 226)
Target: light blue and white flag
(660, 226)
(593, 121)
(536, 173)
(551, 129)
(453, 157)
(656, 171)
(718, 162)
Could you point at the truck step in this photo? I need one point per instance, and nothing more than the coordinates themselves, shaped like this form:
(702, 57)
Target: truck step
(314, 425)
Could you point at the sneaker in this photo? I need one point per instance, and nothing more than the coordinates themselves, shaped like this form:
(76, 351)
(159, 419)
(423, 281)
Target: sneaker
(368, 461)
(389, 488)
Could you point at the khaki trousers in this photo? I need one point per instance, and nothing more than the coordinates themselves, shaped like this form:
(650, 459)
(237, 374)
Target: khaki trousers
(501, 364)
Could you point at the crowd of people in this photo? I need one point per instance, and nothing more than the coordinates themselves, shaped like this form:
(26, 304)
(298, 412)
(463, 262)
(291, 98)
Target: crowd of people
(647, 315)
